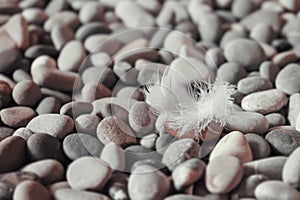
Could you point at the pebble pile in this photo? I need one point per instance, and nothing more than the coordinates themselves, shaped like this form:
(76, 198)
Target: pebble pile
(75, 124)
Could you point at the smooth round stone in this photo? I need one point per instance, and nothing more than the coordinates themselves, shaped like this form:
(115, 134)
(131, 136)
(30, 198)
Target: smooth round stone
(42, 146)
(149, 141)
(231, 73)
(163, 141)
(53, 124)
(71, 56)
(187, 173)
(291, 169)
(58, 186)
(93, 171)
(64, 18)
(233, 144)
(232, 35)
(265, 101)
(268, 71)
(276, 190)
(89, 30)
(214, 58)
(78, 145)
(275, 119)
(99, 74)
(180, 151)
(242, 8)
(253, 54)
(262, 33)
(5, 132)
(294, 108)
(17, 116)
(31, 190)
(12, 145)
(92, 11)
(270, 167)
(253, 84)
(87, 123)
(221, 181)
(112, 129)
(146, 182)
(24, 133)
(76, 108)
(26, 93)
(259, 147)
(48, 105)
(94, 91)
(61, 35)
(283, 142)
(288, 78)
(48, 170)
(20, 75)
(67, 193)
(38, 50)
(247, 122)
(55, 7)
(114, 156)
(8, 60)
(181, 40)
(126, 72)
(209, 28)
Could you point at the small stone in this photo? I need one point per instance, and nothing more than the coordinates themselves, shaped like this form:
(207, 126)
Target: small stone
(291, 169)
(294, 108)
(114, 156)
(231, 73)
(38, 50)
(209, 28)
(275, 119)
(24, 133)
(149, 141)
(76, 108)
(259, 147)
(221, 181)
(64, 18)
(34, 15)
(214, 58)
(92, 11)
(253, 84)
(284, 58)
(94, 91)
(48, 105)
(268, 71)
(287, 79)
(31, 190)
(94, 28)
(265, 101)
(26, 93)
(87, 123)
(48, 170)
(126, 72)
(55, 7)
(99, 74)
(93, 171)
(61, 35)
(242, 8)
(181, 40)
(282, 141)
(276, 190)
(66, 193)
(20, 75)
(53, 124)
(262, 33)
(17, 116)
(253, 54)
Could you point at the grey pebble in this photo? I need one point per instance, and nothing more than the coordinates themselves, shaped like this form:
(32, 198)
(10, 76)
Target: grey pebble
(92, 11)
(209, 28)
(87, 123)
(214, 58)
(26, 93)
(92, 28)
(288, 79)
(99, 74)
(259, 147)
(60, 35)
(114, 155)
(268, 71)
(64, 18)
(61, 97)
(37, 50)
(284, 58)
(291, 169)
(20, 75)
(126, 72)
(242, 8)
(76, 108)
(149, 141)
(54, 7)
(230, 36)
(94, 91)
(163, 141)
(262, 33)
(294, 108)
(48, 105)
(23, 132)
(231, 72)
(275, 119)
(253, 84)
(31, 190)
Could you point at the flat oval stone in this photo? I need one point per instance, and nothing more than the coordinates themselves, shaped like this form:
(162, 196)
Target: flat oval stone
(78, 145)
(270, 167)
(265, 101)
(268, 71)
(114, 156)
(233, 144)
(253, 84)
(247, 122)
(48, 105)
(17, 116)
(259, 146)
(38, 50)
(275, 119)
(93, 171)
(282, 141)
(288, 79)
(253, 54)
(90, 29)
(26, 93)
(291, 169)
(48, 170)
(31, 190)
(220, 181)
(294, 108)
(53, 124)
(63, 194)
(276, 190)
(231, 72)
(92, 11)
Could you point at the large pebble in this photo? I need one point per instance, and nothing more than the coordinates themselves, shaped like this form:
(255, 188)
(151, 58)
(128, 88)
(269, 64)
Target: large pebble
(252, 53)
(282, 141)
(291, 169)
(259, 146)
(222, 181)
(114, 156)
(231, 72)
(270, 167)
(288, 79)
(26, 93)
(247, 122)
(265, 101)
(31, 190)
(112, 129)
(93, 171)
(78, 145)
(233, 144)
(276, 190)
(63, 194)
(53, 124)
(253, 84)
(17, 116)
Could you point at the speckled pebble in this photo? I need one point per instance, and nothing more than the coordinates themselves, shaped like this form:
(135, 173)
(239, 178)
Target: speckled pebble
(275, 119)
(253, 84)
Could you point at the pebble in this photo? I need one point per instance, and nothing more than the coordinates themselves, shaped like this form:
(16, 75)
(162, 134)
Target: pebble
(180, 38)
(233, 144)
(262, 33)
(242, 8)
(17, 116)
(268, 71)
(43, 146)
(151, 185)
(282, 141)
(92, 11)
(61, 97)
(218, 180)
(67, 193)
(5, 132)
(180, 151)
(117, 186)
(291, 169)
(113, 109)
(275, 119)
(290, 73)
(64, 18)
(75, 108)
(38, 50)
(230, 36)
(253, 84)
(53, 124)
(130, 93)
(149, 141)
(91, 29)
(247, 122)
(8, 60)
(260, 148)
(210, 28)
(57, 186)
(231, 72)
(276, 190)
(71, 56)
(126, 72)
(54, 7)
(270, 167)
(34, 15)
(99, 74)
(61, 35)
(48, 105)
(214, 58)
(93, 171)
(26, 93)
(31, 190)
(253, 54)
(24, 133)
(294, 108)
(78, 145)
(94, 91)
(265, 101)
(114, 156)
(284, 58)
(187, 173)
(49, 170)
(112, 129)
(87, 123)
(20, 75)
(12, 145)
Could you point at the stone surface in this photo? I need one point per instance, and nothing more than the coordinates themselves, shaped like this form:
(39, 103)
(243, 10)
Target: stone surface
(291, 169)
(31, 190)
(287, 79)
(17, 117)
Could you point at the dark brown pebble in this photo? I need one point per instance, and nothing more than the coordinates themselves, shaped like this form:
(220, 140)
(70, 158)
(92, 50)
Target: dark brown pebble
(5, 132)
